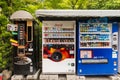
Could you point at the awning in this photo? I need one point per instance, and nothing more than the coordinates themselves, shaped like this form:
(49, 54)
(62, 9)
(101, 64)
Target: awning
(21, 15)
(77, 13)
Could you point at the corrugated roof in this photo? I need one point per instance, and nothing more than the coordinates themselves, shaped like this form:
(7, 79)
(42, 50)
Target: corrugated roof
(21, 15)
(77, 13)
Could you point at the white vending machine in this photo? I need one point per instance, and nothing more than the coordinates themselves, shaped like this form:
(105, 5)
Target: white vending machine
(58, 47)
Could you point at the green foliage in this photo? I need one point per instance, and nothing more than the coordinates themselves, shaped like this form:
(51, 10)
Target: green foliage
(5, 47)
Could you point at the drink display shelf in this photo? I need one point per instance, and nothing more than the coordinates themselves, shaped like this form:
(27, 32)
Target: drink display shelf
(95, 44)
(93, 23)
(94, 47)
(60, 37)
(96, 41)
(58, 42)
(58, 31)
(95, 32)
(96, 27)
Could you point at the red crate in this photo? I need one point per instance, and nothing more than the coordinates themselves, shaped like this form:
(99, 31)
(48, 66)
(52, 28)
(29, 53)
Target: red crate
(0, 76)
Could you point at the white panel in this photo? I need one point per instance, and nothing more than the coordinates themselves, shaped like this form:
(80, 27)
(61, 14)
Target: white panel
(66, 24)
(64, 66)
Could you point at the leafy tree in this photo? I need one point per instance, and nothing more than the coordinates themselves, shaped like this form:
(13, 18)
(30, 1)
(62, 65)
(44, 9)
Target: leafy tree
(5, 47)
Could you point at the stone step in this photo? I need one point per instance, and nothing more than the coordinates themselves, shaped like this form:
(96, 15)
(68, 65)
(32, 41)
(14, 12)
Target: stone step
(33, 77)
(39, 76)
(17, 77)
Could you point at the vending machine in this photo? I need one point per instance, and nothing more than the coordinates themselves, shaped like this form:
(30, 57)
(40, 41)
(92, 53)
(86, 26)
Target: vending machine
(58, 47)
(25, 47)
(97, 47)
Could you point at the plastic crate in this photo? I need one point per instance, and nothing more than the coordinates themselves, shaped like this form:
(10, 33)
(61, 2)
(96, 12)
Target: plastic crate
(0, 76)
